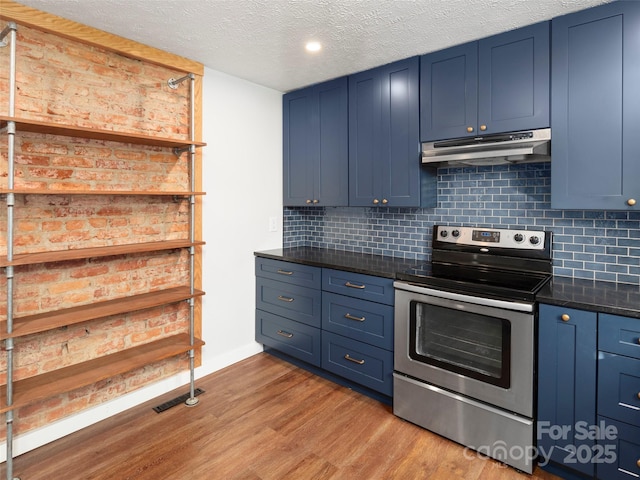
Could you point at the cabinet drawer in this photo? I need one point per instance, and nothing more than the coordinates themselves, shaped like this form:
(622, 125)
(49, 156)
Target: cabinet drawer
(361, 320)
(619, 388)
(357, 285)
(364, 364)
(296, 303)
(293, 338)
(624, 450)
(619, 335)
(302, 275)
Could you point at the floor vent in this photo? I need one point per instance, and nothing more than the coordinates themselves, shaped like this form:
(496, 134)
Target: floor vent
(176, 401)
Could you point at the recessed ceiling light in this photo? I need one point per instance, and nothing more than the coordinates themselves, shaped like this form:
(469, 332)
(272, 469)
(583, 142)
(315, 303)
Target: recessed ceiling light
(313, 46)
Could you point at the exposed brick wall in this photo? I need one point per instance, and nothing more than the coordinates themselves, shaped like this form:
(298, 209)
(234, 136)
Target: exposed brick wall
(64, 81)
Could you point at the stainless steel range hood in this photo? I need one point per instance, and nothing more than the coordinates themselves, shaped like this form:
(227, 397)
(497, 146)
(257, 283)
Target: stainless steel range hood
(514, 147)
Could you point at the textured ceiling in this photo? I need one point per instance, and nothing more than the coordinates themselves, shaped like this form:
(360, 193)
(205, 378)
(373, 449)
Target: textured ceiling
(263, 40)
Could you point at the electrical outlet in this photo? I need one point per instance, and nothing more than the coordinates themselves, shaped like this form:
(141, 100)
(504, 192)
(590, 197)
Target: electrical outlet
(273, 224)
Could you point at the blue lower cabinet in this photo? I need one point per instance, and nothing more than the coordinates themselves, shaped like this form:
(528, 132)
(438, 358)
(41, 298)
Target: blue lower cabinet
(297, 303)
(618, 450)
(567, 351)
(620, 335)
(619, 388)
(293, 338)
(301, 275)
(358, 285)
(362, 363)
(361, 320)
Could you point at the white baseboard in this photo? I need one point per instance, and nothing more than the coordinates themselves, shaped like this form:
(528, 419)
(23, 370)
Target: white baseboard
(60, 428)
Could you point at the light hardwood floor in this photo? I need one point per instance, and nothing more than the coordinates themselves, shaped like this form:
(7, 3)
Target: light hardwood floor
(261, 418)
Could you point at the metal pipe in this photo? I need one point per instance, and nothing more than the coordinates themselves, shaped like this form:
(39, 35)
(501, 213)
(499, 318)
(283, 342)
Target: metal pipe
(192, 400)
(10, 29)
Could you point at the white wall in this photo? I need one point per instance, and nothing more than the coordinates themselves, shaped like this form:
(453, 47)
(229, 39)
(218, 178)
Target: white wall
(242, 175)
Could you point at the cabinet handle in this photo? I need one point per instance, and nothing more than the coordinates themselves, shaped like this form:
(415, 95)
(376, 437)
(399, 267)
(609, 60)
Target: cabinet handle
(282, 333)
(638, 395)
(353, 285)
(284, 272)
(351, 317)
(385, 201)
(376, 201)
(565, 318)
(285, 299)
(483, 127)
(308, 201)
(351, 359)
(638, 340)
(638, 463)
(315, 201)
(631, 202)
(469, 129)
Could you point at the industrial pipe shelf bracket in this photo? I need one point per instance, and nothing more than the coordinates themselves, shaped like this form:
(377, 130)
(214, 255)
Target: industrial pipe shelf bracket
(179, 151)
(11, 26)
(174, 82)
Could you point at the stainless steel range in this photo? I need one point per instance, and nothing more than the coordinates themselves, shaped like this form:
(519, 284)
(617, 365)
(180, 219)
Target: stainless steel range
(465, 329)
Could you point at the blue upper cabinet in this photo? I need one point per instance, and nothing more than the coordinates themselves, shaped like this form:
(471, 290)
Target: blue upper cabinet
(497, 84)
(384, 143)
(449, 93)
(596, 108)
(315, 145)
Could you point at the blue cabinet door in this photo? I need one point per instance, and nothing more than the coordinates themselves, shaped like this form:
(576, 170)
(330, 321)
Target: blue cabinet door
(513, 80)
(449, 93)
(498, 84)
(566, 384)
(332, 174)
(384, 154)
(315, 145)
(596, 108)
(298, 147)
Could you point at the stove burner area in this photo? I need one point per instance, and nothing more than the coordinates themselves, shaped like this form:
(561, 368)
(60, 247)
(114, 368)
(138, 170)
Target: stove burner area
(515, 266)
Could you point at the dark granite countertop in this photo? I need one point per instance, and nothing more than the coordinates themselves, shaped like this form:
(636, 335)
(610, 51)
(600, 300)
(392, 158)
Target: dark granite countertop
(602, 297)
(591, 295)
(367, 264)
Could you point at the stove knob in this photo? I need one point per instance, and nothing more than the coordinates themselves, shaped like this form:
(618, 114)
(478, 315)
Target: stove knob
(456, 233)
(444, 233)
(534, 240)
(518, 237)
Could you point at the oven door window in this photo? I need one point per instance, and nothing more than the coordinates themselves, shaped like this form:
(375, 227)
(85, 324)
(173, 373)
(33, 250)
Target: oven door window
(471, 344)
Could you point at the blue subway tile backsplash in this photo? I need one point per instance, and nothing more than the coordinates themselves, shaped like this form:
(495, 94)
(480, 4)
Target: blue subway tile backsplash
(600, 245)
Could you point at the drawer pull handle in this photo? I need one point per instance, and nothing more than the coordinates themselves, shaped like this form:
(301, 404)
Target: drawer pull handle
(638, 463)
(354, 360)
(285, 299)
(282, 333)
(354, 285)
(284, 272)
(565, 318)
(638, 395)
(351, 317)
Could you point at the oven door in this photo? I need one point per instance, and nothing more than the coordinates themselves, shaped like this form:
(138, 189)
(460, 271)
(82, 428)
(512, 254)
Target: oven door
(478, 347)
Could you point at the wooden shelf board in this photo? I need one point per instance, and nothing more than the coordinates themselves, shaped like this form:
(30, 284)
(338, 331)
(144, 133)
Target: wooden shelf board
(42, 322)
(93, 252)
(41, 191)
(48, 128)
(40, 387)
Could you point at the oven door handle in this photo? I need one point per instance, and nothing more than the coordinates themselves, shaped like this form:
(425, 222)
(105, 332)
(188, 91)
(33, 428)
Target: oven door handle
(459, 297)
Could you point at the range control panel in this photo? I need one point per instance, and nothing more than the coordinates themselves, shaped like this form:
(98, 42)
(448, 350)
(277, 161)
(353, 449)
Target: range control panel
(491, 237)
